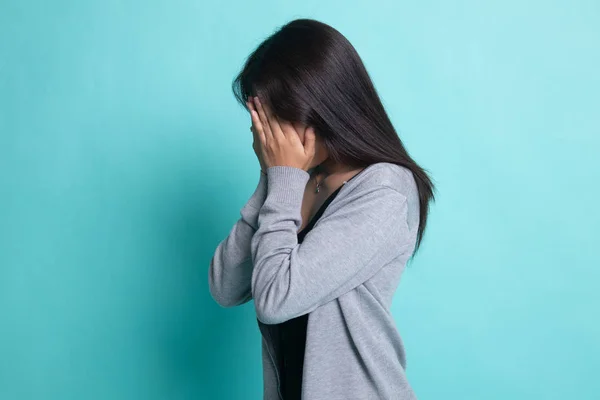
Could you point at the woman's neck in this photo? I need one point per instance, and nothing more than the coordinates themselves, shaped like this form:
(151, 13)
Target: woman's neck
(329, 167)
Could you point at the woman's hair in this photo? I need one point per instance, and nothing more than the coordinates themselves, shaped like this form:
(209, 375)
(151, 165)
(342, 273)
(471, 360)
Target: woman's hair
(308, 72)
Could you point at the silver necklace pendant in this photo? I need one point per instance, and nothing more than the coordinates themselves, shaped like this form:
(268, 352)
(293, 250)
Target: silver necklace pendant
(318, 185)
(318, 188)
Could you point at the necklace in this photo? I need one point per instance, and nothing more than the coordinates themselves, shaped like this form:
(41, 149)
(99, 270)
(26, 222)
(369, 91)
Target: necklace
(314, 176)
(317, 182)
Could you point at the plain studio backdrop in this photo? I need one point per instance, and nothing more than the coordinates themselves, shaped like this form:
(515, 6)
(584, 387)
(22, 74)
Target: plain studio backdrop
(124, 161)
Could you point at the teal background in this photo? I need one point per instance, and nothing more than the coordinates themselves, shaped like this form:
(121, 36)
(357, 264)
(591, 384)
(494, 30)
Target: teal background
(124, 161)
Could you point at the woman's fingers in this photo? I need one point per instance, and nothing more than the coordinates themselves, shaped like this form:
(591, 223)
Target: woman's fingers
(289, 131)
(258, 128)
(250, 108)
(263, 120)
(309, 141)
(276, 130)
(250, 111)
(256, 123)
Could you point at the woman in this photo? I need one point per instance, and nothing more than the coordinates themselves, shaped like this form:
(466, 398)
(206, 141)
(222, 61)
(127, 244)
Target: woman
(339, 209)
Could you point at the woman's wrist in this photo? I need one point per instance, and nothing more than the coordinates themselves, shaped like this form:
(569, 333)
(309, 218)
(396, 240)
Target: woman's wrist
(286, 184)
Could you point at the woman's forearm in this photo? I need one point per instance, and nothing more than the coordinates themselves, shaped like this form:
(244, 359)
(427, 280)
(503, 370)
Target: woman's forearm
(231, 266)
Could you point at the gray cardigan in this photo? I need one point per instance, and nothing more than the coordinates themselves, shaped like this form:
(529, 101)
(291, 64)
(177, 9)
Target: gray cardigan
(344, 275)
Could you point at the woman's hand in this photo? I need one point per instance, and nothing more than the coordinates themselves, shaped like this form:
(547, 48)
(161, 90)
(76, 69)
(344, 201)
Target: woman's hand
(279, 143)
(256, 142)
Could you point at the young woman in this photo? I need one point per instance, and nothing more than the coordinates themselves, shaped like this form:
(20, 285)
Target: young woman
(339, 209)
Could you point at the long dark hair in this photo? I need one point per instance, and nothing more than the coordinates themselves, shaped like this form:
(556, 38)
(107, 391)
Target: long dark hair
(309, 72)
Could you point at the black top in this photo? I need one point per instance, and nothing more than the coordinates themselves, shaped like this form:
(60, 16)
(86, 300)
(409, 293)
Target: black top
(292, 333)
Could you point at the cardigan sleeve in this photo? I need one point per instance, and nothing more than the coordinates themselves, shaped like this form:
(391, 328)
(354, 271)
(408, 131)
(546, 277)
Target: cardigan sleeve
(231, 265)
(343, 249)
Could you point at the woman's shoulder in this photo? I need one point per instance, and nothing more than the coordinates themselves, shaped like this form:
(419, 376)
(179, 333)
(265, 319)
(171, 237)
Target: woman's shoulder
(387, 174)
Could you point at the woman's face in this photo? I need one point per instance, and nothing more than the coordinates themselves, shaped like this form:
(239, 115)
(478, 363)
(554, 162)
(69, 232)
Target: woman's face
(320, 150)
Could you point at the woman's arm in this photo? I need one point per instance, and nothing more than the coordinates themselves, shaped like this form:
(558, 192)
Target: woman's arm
(342, 250)
(230, 269)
